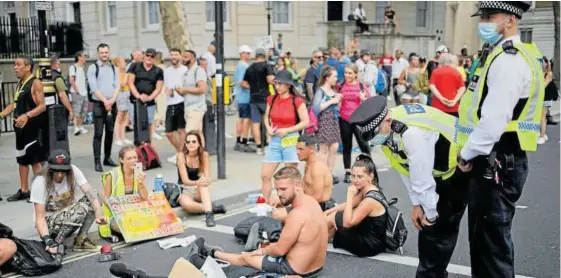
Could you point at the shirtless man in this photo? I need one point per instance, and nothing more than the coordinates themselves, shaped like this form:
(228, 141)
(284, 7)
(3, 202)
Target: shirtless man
(302, 245)
(318, 181)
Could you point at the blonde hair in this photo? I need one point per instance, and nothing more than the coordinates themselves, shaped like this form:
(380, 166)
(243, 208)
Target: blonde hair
(116, 61)
(287, 172)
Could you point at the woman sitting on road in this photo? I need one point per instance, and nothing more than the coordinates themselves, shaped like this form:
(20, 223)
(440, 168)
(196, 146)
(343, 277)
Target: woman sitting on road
(120, 181)
(194, 173)
(359, 225)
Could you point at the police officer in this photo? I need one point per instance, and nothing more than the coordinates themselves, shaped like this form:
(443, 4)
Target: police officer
(420, 143)
(500, 113)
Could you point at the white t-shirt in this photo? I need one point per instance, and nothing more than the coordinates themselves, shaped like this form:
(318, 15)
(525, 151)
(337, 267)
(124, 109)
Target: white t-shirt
(60, 198)
(211, 63)
(173, 77)
(80, 74)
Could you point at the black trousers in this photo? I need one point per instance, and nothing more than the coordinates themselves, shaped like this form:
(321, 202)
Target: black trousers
(347, 130)
(101, 120)
(395, 96)
(363, 26)
(437, 242)
(490, 214)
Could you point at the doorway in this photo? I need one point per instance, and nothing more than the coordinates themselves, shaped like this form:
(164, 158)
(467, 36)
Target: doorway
(337, 10)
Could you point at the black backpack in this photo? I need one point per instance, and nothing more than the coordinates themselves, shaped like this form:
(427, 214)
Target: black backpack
(396, 232)
(31, 259)
(272, 227)
(90, 93)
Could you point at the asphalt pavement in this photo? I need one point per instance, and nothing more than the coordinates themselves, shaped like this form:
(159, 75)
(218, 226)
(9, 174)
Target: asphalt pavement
(535, 230)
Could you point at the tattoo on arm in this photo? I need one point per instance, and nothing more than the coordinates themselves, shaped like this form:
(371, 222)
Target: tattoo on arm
(92, 196)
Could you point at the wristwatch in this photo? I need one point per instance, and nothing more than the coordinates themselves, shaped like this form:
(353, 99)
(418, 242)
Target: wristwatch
(432, 220)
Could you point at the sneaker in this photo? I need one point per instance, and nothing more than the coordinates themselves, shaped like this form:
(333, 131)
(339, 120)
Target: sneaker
(161, 128)
(119, 143)
(218, 209)
(259, 151)
(172, 159)
(77, 131)
(83, 130)
(546, 138)
(127, 142)
(247, 149)
(335, 179)
(253, 239)
(209, 219)
(19, 196)
(157, 136)
(347, 177)
(83, 243)
(204, 249)
(238, 146)
(541, 140)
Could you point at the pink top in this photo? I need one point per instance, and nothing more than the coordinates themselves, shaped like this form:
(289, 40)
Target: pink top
(350, 99)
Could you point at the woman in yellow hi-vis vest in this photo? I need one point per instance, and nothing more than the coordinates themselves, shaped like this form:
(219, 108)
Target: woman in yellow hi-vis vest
(499, 122)
(119, 182)
(421, 144)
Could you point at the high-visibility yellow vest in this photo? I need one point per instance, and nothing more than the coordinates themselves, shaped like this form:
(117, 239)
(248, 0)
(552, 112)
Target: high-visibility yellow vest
(117, 189)
(527, 126)
(430, 118)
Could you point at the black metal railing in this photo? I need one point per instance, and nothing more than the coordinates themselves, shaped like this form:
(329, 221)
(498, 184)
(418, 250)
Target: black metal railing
(7, 97)
(20, 36)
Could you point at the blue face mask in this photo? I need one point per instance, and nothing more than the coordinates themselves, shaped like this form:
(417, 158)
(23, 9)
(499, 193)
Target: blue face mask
(488, 31)
(380, 139)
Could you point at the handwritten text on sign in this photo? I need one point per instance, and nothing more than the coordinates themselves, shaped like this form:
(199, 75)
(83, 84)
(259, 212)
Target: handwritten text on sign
(143, 220)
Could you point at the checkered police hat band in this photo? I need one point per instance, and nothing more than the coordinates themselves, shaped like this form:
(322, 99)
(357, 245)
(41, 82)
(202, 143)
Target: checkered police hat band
(501, 6)
(375, 122)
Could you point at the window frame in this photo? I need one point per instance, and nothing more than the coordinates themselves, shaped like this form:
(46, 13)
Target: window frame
(524, 32)
(108, 27)
(209, 22)
(378, 5)
(281, 26)
(147, 23)
(421, 13)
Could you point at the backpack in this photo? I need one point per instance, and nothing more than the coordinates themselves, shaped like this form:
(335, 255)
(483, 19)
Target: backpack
(313, 125)
(148, 156)
(172, 192)
(269, 225)
(381, 82)
(31, 258)
(90, 93)
(396, 231)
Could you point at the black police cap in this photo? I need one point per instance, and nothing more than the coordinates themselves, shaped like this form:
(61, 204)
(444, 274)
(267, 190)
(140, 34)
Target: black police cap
(368, 116)
(516, 8)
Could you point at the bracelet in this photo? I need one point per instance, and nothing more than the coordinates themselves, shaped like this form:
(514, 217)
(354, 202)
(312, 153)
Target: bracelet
(49, 242)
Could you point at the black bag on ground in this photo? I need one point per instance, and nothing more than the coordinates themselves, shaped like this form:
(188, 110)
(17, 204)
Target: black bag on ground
(31, 259)
(396, 231)
(271, 226)
(172, 192)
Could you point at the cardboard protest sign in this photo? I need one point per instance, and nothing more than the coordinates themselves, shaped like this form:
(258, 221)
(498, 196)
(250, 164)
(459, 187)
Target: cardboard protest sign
(144, 220)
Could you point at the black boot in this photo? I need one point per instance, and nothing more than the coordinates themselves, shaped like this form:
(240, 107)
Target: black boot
(109, 162)
(347, 177)
(98, 167)
(209, 219)
(335, 179)
(218, 208)
(20, 195)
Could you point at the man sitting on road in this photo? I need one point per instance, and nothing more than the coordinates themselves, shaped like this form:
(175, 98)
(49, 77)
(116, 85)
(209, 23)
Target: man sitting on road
(302, 246)
(318, 181)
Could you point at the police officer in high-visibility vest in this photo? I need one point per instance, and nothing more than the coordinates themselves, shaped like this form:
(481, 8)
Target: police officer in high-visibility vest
(500, 119)
(421, 144)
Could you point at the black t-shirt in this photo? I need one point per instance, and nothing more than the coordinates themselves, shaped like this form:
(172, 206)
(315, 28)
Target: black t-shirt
(256, 77)
(145, 80)
(390, 14)
(432, 65)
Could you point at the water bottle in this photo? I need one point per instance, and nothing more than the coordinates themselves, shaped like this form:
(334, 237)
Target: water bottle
(158, 183)
(255, 199)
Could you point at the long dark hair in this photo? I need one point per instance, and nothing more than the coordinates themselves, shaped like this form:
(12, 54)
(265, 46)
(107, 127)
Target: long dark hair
(326, 71)
(364, 160)
(200, 149)
(49, 176)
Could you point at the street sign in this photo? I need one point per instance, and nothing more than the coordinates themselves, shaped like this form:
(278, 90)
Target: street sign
(43, 5)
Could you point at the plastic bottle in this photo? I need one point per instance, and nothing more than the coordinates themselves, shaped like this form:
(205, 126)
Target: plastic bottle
(255, 199)
(158, 183)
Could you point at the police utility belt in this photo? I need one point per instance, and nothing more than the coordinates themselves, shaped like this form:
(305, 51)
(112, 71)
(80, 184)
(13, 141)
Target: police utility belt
(495, 167)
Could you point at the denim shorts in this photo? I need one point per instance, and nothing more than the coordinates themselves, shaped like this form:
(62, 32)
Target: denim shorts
(244, 110)
(282, 150)
(257, 112)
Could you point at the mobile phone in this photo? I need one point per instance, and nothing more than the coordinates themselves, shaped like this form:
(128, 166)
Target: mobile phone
(138, 168)
(108, 257)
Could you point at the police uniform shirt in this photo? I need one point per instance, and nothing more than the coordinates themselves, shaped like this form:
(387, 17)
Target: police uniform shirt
(509, 78)
(419, 144)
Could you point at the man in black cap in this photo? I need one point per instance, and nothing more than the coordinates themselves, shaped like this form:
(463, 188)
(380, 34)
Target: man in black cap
(499, 121)
(420, 142)
(58, 213)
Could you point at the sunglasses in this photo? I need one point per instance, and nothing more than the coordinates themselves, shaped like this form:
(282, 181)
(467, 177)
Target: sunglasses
(149, 55)
(318, 57)
(191, 142)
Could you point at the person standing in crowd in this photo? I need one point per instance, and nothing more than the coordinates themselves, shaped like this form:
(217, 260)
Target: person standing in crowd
(161, 104)
(175, 111)
(353, 93)
(398, 65)
(370, 71)
(446, 85)
(433, 64)
(458, 66)
(420, 143)
(257, 77)
(385, 63)
(79, 91)
(407, 79)
(326, 107)
(285, 116)
(422, 84)
(58, 212)
(209, 56)
(551, 95)
(312, 75)
(123, 103)
(28, 108)
(360, 18)
(361, 65)
(508, 92)
(103, 79)
(242, 98)
(61, 89)
(193, 90)
(145, 83)
(335, 62)
(137, 56)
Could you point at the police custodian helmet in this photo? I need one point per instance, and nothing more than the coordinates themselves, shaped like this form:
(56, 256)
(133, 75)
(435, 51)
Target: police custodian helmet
(516, 8)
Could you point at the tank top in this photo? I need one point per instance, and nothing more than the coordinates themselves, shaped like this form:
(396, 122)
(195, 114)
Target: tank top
(23, 100)
(192, 173)
(124, 86)
(411, 78)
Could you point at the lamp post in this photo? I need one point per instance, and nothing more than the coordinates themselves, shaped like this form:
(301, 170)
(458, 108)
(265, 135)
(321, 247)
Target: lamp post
(221, 132)
(268, 8)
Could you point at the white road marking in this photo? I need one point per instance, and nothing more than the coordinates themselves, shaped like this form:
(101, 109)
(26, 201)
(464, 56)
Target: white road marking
(383, 170)
(521, 207)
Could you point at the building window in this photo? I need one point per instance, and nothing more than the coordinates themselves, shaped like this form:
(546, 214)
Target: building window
(10, 4)
(381, 11)
(526, 35)
(210, 14)
(281, 13)
(543, 4)
(111, 15)
(32, 10)
(422, 13)
(153, 11)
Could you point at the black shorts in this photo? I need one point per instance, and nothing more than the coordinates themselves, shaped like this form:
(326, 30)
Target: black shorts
(30, 146)
(244, 110)
(175, 117)
(281, 266)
